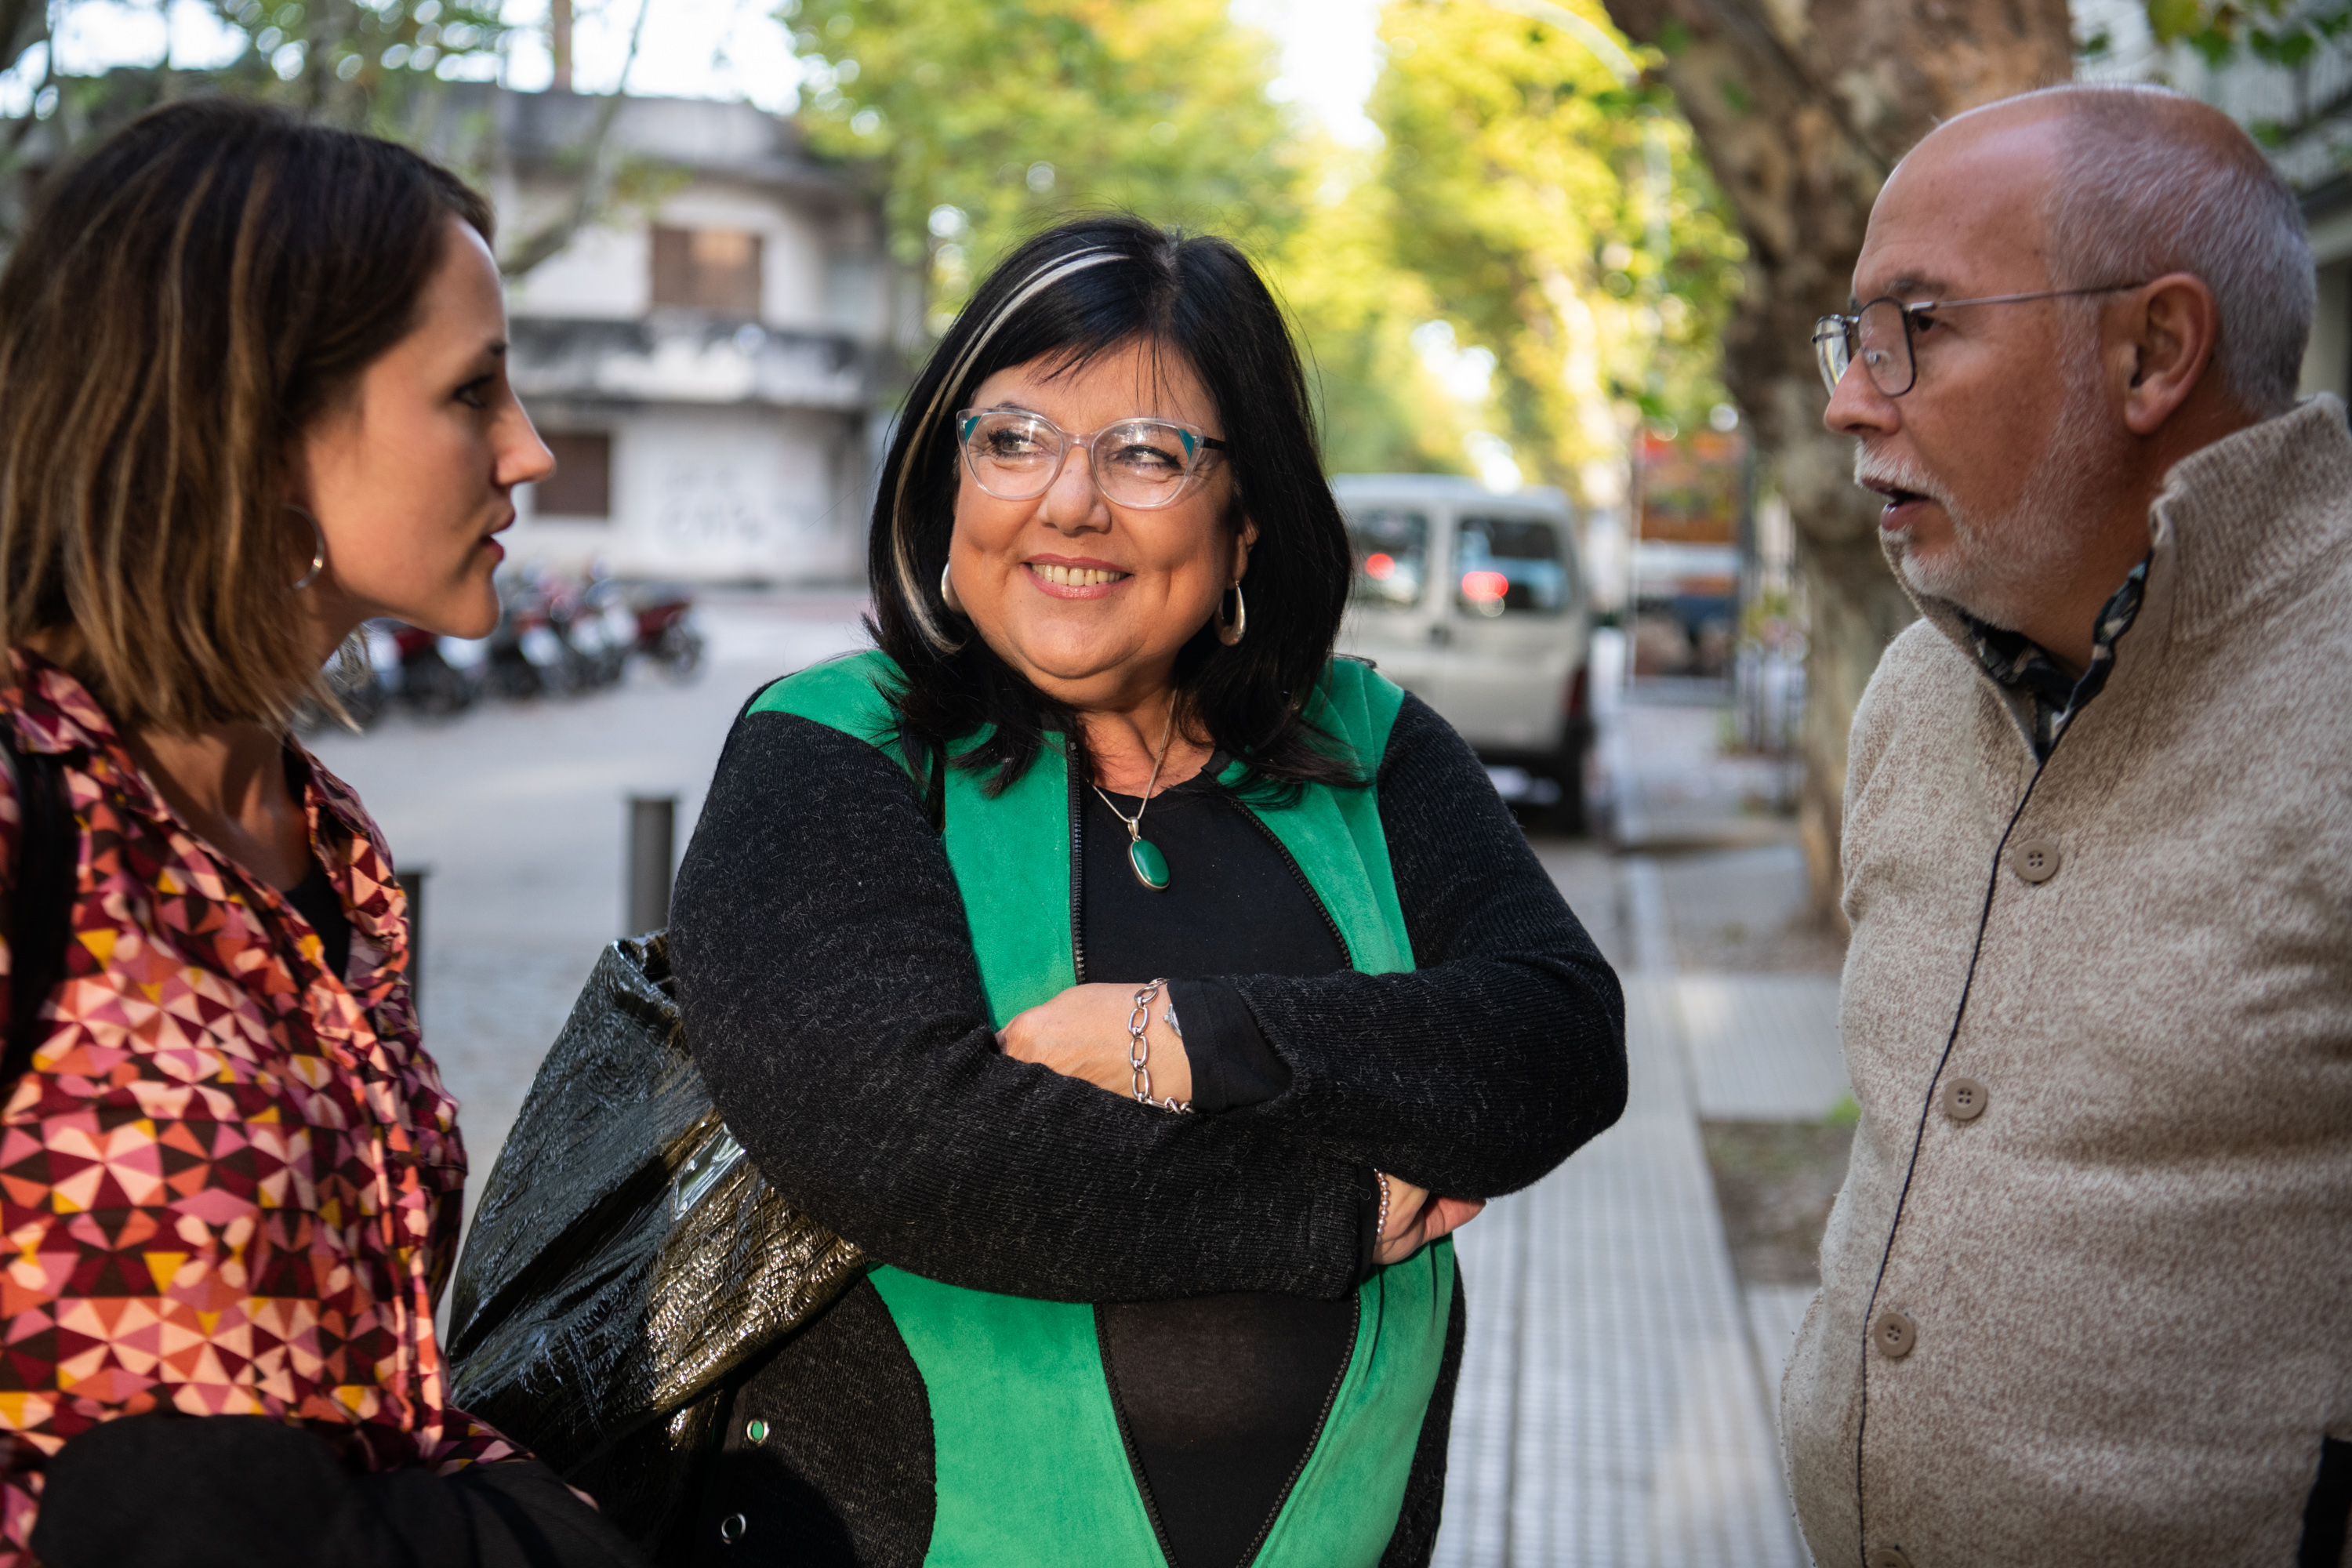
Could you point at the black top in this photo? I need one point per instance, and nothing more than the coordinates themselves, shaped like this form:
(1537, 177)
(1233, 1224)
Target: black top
(826, 973)
(1234, 905)
(315, 897)
(1220, 1395)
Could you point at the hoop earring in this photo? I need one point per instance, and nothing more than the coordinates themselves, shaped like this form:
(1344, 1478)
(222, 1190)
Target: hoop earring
(1232, 631)
(318, 553)
(947, 589)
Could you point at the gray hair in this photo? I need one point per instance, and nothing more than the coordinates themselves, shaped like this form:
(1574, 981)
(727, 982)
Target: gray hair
(2134, 198)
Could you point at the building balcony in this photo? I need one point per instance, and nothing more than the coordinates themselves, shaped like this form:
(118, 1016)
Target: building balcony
(675, 359)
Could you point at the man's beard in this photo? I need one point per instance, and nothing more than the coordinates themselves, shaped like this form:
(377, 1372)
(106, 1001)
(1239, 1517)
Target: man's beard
(1999, 565)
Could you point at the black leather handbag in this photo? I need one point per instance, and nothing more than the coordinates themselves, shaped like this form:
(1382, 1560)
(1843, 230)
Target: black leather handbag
(627, 1258)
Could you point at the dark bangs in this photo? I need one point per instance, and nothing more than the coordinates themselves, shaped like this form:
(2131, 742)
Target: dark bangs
(1071, 294)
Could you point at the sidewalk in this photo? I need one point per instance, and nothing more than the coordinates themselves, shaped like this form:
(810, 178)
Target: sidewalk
(1618, 1387)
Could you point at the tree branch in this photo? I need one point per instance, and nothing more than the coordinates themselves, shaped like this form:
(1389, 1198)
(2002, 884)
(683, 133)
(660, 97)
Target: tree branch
(594, 185)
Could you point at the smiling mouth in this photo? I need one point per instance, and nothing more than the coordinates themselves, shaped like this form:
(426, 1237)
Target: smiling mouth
(1075, 577)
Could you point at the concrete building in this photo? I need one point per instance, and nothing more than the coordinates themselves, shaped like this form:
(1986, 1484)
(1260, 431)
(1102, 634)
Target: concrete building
(708, 360)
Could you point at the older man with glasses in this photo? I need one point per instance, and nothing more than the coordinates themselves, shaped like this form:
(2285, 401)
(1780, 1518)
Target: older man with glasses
(2087, 1294)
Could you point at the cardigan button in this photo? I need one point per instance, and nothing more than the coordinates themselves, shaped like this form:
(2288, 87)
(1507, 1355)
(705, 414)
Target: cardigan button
(1894, 1335)
(2035, 861)
(1889, 1557)
(1963, 1098)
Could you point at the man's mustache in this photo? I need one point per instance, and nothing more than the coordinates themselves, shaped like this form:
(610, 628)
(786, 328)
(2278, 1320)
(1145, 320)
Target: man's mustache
(1882, 472)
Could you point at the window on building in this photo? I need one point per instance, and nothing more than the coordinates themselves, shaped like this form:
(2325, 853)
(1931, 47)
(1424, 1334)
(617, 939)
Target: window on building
(582, 485)
(715, 269)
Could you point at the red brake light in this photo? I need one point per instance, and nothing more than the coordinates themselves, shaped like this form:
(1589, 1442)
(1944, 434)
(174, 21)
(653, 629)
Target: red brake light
(1380, 566)
(1485, 587)
(1572, 701)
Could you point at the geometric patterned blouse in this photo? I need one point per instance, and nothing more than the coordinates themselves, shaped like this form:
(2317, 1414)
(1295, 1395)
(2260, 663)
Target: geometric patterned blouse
(230, 1182)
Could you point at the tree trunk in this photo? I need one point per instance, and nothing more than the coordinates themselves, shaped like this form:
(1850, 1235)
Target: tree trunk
(1802, 106)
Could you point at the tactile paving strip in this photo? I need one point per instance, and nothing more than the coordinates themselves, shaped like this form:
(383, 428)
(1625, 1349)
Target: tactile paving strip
(1611, 1411)
(1762, 1047)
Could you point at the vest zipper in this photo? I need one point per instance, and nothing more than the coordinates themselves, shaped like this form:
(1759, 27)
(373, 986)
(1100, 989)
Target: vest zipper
(1356, 1325)
(1322, 1419)
(1127, 1441)
(1348, 957)
(1078, 873)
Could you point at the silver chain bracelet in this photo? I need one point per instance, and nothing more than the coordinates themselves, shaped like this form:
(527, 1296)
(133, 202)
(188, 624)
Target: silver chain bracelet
(1139, 1048)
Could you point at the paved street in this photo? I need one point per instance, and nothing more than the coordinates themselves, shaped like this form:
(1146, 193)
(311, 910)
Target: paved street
(1618, 1386)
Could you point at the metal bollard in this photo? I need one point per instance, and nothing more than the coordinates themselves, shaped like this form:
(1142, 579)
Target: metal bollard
(652, 830)
(411, 884)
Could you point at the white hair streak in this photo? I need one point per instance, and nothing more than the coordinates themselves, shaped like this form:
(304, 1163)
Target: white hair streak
(911, 588)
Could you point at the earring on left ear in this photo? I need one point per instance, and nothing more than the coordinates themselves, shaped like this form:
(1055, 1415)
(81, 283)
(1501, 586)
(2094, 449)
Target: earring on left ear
(947, 589)
(1231, 633)
(318, 553)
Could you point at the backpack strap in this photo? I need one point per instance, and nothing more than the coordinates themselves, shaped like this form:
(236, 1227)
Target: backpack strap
(41, 911)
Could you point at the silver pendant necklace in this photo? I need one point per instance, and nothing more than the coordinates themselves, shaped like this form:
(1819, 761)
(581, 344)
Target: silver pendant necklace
(1143, 856)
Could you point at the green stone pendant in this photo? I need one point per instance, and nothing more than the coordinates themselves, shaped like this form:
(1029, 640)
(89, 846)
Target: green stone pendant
(1150, 865)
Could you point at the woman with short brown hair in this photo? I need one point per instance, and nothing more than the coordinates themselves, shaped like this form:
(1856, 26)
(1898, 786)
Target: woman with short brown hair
(252, 391)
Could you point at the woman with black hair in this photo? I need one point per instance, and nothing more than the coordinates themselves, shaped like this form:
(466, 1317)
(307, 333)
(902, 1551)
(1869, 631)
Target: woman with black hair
(1122, 972)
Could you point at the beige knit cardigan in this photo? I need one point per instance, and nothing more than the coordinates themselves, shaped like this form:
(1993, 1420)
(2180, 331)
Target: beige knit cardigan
(2123, 1251)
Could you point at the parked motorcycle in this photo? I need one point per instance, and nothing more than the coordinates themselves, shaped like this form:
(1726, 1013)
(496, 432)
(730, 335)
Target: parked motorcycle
(468, 658)
(598, 626)
(668, 632)
(527, 656)
(362, 680)
(429, 684)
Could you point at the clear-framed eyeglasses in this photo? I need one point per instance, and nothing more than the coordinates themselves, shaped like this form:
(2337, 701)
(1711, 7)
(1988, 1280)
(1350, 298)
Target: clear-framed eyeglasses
(1882, 335)
(1016, 454)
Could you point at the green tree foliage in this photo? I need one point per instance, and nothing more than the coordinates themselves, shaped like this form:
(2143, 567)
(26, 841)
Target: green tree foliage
(1559, 215)
(366, 65)
(1382, 412)
(371, 65)
(2279, 32)
(986, 122)
(987, 119)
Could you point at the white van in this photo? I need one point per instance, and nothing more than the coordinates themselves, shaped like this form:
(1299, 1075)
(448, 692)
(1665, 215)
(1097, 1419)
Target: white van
(1476, 603)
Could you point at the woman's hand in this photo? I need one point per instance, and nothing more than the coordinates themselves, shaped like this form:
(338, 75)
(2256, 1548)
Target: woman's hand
(1082, 1033)
(1417, 1217)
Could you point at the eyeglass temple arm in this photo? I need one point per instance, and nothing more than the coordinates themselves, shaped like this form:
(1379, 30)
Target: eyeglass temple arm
(2016, 299)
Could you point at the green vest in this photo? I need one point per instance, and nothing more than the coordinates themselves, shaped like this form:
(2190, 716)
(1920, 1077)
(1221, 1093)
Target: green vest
(1030, 1465)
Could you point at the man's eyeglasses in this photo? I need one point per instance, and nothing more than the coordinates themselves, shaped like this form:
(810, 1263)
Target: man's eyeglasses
(1881, 335)
(1016, 454)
